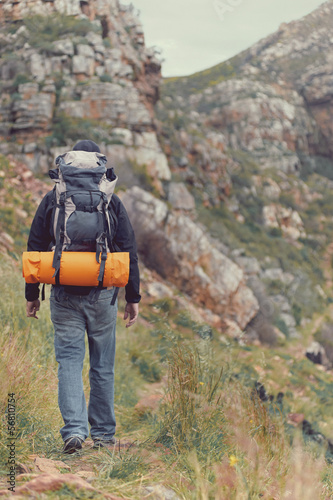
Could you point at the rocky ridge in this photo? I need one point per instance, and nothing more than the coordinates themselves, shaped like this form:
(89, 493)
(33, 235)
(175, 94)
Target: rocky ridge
(251, 140)
(272, 101)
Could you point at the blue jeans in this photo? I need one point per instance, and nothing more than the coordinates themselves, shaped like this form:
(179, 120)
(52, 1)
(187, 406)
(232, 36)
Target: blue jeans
(72, 316)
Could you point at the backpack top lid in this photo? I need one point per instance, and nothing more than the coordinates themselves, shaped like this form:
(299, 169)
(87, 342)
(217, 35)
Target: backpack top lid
(81, 159)
(86, 145)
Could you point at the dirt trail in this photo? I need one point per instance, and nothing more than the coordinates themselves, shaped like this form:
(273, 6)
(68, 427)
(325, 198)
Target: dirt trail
(41, 475)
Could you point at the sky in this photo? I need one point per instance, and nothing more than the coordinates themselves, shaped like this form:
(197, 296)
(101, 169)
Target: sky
(196, 34)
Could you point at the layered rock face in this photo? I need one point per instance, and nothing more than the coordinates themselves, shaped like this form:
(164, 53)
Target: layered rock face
(181, 252)
(105, 76)
(273, 102)
(251, 139)
(268, 121)
(301, 54)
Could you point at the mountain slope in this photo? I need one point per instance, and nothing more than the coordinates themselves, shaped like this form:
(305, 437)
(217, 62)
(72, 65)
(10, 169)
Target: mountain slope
(251, 140)
(230, 217)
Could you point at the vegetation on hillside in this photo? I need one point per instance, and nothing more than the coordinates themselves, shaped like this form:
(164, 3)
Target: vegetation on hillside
(214, 434)
(195, 83)
(291, 68)
(16, 205)
(41, 31)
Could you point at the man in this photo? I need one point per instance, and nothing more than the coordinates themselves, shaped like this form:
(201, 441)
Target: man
(72, 313)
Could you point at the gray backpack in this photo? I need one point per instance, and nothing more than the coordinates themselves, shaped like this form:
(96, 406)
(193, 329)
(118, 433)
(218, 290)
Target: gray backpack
(82, 221)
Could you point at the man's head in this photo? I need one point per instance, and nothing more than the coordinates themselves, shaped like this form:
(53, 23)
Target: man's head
(87, 145)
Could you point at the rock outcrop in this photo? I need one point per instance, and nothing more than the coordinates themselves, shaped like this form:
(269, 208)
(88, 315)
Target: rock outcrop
(95, 77)
(181, 252)
(251, 139)
(273, 102)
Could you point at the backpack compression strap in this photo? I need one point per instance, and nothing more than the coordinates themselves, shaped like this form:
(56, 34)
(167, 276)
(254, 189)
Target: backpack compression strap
(60, 236)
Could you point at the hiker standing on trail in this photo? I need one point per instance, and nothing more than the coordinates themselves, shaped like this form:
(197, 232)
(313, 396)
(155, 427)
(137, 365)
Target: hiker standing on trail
(76, 309)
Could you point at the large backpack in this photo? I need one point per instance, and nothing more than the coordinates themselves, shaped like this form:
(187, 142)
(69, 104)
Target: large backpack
(82, 221)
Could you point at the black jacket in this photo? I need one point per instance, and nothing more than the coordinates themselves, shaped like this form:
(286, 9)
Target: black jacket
(41, 239)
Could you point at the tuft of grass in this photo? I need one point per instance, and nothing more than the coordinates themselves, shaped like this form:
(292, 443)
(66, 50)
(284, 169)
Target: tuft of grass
(193, 416)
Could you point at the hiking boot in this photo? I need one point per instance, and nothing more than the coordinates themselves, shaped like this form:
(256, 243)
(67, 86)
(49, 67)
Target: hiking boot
(104, 443)
(72, 445)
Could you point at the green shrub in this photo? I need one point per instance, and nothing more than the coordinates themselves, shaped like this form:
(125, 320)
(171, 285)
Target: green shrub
(193, 415)
(281, 325)
(147, 365)
(107, 43)
(276, 232)
(198, 81)
(16, 97)
(105, 78)
(43, 30)
(288, 200)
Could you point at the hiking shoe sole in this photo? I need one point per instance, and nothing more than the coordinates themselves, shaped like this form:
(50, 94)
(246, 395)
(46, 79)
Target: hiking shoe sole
(72, 445)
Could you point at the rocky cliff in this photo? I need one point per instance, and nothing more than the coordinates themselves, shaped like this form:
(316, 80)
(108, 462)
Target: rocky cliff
(251, 139)
(272, 101)
(70, 67)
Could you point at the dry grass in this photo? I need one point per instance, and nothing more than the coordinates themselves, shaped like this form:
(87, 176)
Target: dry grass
(212, 438)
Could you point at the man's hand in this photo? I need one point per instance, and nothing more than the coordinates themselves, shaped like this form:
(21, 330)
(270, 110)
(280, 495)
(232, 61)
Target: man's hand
(32, 308)
(131, 311)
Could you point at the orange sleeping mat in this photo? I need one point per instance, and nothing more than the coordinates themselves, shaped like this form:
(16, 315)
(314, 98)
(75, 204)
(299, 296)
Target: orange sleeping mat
(76, 268)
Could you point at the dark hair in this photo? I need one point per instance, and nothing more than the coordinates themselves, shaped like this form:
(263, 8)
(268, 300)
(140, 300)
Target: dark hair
(87, 145)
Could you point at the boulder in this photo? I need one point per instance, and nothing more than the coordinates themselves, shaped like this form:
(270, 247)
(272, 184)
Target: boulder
(180, 251)
(147, 154)
(112, 67)
(37, 67)
(63, 47)
(180, 197)
(159, 492)
(83, 65)
(52, 482)
(287, 219)
(94, 38)
(124, 135)
(159, 290)
(85, 50)
(49, 466)
(115, 104)
(317, 354)
(33, 112)
(277, 274)
(250, 265)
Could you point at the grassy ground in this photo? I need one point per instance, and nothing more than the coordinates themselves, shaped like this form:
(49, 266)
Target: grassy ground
(211, 436)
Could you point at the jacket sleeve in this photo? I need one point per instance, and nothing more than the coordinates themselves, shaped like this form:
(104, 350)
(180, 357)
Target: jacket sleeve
(125, 241)
(40, 238)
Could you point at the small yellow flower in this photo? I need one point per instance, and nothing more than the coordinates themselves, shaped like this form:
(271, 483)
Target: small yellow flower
(39, 366)
(233, 460)
(201, 383)
(251, 421)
